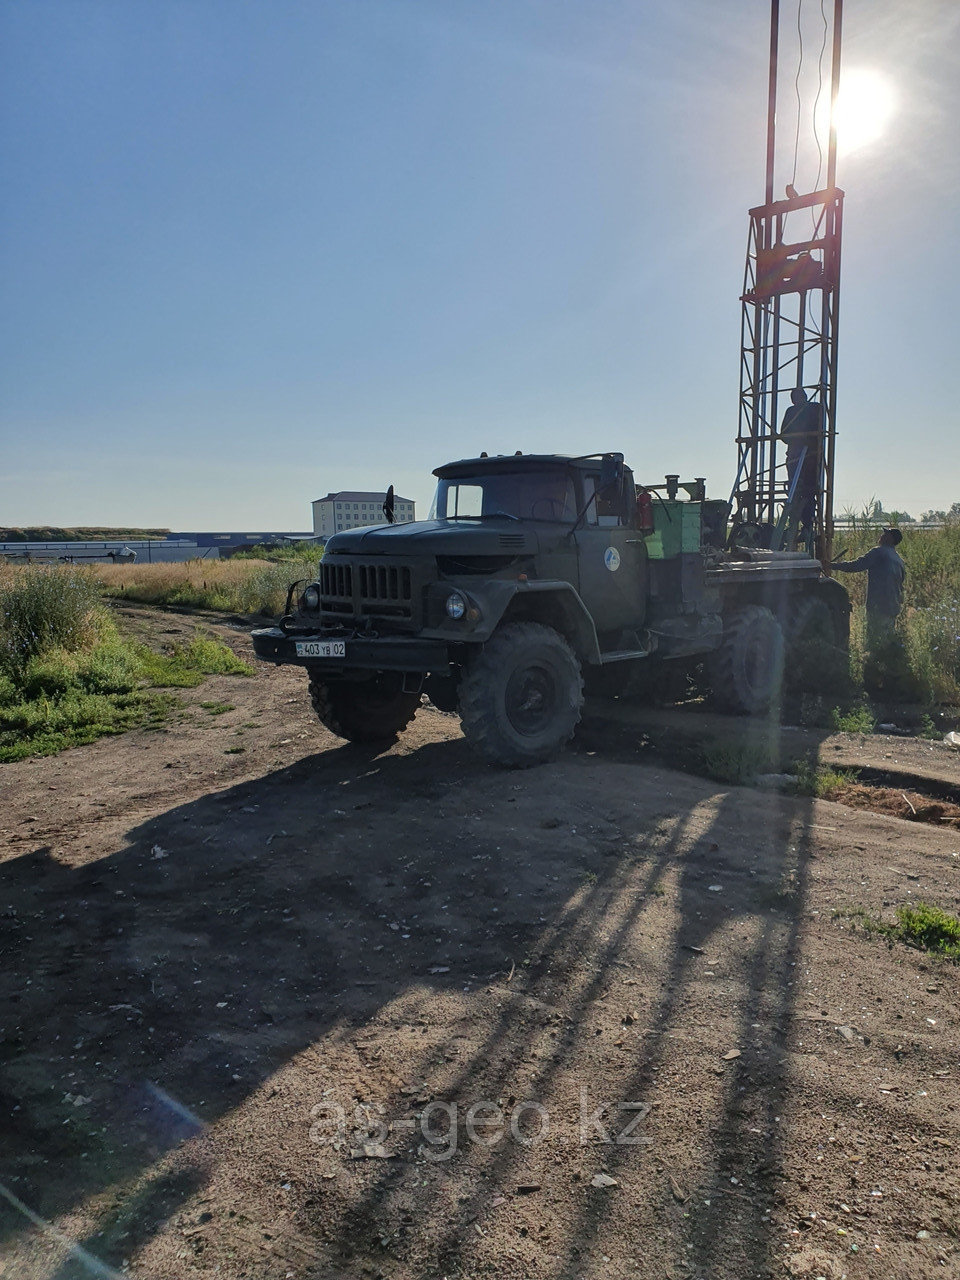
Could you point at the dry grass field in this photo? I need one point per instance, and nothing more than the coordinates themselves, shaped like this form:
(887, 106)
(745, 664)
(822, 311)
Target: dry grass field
(243, 586)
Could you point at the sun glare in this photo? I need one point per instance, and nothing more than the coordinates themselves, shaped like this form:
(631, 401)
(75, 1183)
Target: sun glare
(865, 105)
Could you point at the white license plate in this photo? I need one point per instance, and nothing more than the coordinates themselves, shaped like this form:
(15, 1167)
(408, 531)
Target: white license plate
(321, 648)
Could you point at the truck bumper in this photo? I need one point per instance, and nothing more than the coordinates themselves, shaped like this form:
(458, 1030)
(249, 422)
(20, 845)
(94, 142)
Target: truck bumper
(386, 653)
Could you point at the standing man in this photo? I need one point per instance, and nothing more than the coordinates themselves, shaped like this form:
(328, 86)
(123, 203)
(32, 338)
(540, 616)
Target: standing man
(885, 577)
(802, 431)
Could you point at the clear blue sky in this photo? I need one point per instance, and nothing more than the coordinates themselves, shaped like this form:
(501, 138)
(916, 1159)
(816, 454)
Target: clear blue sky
(255, 251)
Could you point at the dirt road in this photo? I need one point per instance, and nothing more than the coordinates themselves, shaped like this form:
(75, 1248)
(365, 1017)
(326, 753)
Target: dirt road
(274, 1006)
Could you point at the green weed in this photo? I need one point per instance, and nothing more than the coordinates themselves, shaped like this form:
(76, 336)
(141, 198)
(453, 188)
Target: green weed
(217, 708)
(813, 779)
(212, 657)
(735, 762)
(184, 667)
(44, 607)
(929, 929)
(45, 726)
(918, 925)
(302, 553)
(67, 677)
(927, 729)
(859, 719)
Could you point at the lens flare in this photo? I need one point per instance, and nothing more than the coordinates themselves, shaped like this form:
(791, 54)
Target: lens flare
(866, 104)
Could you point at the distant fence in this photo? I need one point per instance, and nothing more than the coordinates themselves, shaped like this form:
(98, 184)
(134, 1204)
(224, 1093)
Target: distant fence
(148, 552)
(850, 523)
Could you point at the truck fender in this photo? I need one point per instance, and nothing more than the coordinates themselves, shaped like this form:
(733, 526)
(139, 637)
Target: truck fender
(554, 603)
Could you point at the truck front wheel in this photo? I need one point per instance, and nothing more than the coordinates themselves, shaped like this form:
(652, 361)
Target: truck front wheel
(374, 710)
(746, 672)
(521, 695)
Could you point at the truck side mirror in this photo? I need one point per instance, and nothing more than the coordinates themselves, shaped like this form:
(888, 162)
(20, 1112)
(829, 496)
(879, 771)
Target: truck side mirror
(388, 506)
(611, 473)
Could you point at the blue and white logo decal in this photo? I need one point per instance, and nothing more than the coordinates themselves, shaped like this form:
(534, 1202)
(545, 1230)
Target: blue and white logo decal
(611, 558)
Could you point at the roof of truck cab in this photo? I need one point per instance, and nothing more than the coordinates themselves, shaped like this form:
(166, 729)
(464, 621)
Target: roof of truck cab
(513, 462)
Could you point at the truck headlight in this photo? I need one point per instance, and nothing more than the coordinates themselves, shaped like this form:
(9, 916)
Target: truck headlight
(311, 598)
(455, 605)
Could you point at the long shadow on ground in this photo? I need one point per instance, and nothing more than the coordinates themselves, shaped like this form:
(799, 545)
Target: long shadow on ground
(154, 991)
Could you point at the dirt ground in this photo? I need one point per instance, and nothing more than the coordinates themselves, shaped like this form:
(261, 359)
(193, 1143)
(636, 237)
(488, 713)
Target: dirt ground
(276, 1006)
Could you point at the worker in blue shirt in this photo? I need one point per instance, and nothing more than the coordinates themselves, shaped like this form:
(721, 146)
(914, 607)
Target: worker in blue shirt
(885, 577)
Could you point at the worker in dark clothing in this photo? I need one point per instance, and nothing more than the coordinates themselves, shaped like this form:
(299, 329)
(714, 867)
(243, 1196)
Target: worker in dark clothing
(802, 430)
(886, 573)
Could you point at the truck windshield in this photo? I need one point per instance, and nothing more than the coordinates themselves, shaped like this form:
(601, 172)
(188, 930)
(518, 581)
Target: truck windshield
(520, 495)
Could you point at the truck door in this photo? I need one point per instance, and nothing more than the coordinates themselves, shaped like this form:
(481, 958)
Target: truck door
(612, 559)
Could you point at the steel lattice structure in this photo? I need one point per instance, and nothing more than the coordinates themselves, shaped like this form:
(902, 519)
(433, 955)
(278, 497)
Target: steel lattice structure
(788, 340)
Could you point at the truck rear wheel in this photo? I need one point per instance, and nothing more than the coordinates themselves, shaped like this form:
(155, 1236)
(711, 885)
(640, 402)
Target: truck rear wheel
(374, 710)
(818, 659)
(746, 672)
(521, 695)
(811, 622)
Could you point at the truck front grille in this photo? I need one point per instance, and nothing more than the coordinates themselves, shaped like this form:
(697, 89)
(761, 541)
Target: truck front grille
(368, 589)
(384, 582)
(336, 580)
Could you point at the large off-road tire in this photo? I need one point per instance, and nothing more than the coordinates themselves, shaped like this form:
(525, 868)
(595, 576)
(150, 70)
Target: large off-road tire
(818, 660)
(521, 695)
(811, 622)
(746, 672)
(374, 710)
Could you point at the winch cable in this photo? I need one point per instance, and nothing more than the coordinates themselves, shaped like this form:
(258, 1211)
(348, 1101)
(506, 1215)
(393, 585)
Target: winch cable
(816, 103)
(796, 90)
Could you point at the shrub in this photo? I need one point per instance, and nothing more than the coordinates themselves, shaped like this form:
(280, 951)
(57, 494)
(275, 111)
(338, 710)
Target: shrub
(301, 553)
(265, 589)
(185, 666)
(231, 586)
(42, 608)
(8, 691)
(858, 719)
(919, 925)
(45, 726)
(110, 668)
(212, 657)
(818, 780)
(929, 929)
(736, 762)
(932, 638)
(68, 677)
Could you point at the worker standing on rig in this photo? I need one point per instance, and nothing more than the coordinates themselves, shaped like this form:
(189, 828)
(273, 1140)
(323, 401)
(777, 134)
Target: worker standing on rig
(802, 430)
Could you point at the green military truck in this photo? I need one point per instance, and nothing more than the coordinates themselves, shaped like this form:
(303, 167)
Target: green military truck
(534, 576)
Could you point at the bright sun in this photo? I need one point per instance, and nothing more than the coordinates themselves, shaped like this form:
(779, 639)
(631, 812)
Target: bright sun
(865, 105)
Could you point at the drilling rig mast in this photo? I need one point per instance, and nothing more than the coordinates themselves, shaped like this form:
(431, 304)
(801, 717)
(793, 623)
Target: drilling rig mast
(783, 495)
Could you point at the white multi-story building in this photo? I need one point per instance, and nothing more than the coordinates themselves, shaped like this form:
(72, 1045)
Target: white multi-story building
(351, 509)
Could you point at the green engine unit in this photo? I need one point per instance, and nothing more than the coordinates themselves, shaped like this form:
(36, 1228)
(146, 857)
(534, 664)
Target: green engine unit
(676, 529)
